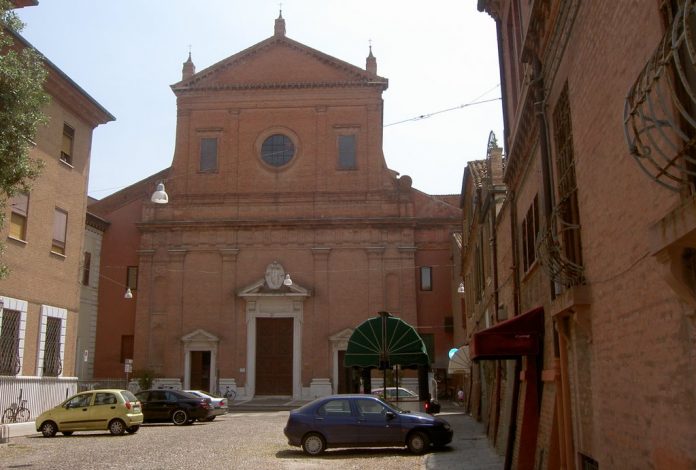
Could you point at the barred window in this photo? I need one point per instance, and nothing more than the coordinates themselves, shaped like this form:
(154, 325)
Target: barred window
(52, 364)
(9, 342)
(567, 209)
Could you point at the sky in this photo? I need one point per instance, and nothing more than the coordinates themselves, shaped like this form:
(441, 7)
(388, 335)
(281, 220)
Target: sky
(438, 55)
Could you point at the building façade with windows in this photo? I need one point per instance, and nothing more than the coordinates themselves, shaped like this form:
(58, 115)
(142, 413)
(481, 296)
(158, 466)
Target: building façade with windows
(278, 173)
(43, 239)
(592, 362)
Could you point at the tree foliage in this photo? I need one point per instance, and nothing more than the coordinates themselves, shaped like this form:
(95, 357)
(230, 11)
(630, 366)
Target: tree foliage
(22, 100)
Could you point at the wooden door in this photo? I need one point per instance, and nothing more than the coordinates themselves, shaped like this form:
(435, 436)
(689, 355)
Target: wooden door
(274, 356)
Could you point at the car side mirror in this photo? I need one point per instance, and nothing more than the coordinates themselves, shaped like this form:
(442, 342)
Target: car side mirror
(390, 415)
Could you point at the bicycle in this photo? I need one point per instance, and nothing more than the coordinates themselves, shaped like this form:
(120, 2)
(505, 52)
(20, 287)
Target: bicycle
(16, 413)
(229, 394)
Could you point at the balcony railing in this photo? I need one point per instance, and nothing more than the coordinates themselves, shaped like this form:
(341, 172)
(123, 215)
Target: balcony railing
(660, 109)
(552, 254)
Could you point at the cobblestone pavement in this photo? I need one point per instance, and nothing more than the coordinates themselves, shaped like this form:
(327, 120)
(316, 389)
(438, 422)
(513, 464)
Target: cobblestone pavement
(234, 441)
(239, 440)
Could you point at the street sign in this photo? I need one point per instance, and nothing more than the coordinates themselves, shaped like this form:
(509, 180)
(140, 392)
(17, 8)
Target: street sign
(128, 366)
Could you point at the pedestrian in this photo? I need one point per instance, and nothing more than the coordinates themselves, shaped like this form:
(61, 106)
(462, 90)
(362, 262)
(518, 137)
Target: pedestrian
(460, 397)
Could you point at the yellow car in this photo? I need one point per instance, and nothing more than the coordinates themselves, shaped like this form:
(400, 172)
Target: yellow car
(116, 410)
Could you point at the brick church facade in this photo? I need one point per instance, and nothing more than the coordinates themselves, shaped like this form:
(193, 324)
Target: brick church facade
(278, 173)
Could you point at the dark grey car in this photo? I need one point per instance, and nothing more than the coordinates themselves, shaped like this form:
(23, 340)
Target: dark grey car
(362, 421)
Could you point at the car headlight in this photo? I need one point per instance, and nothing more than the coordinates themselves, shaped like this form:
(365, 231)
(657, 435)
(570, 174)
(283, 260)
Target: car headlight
(447, 426)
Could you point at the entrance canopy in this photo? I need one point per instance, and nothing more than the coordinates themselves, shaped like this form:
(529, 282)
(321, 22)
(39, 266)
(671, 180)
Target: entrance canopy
(519, 336)
(460, 362)
(385, 341)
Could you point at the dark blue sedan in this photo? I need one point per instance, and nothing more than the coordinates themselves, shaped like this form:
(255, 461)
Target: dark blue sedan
(362, 421)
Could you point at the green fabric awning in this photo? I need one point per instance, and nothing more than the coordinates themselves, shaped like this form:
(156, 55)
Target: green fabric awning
(371, 345)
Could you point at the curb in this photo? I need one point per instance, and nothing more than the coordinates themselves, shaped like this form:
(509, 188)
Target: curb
(8, 431)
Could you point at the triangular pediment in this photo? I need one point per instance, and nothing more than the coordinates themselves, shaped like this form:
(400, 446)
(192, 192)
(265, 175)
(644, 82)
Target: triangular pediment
(279, 62)
(343, 335)
(200, 335)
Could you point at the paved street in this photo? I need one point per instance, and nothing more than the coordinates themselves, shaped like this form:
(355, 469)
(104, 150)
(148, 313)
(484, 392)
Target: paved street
(250, 440)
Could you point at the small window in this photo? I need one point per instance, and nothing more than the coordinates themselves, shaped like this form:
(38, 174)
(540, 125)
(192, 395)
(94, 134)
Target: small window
(209, 154)
(18, 219)
(530, 228)
(426, 279)
(126, 348)
(132, 278)
(60, 226)
(346, 152)
(66, 151)
(87, 264)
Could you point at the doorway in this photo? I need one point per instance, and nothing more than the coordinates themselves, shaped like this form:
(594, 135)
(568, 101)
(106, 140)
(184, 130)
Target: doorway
(200, 370)
(274, 356)
(348, 377)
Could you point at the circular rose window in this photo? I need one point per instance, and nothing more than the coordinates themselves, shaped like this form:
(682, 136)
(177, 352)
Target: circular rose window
(277, 150)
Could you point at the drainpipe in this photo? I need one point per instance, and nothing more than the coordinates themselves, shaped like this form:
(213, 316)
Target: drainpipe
(512, 432)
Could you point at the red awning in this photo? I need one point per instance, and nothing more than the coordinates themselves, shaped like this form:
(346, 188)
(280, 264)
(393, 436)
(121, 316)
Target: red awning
(519, 336)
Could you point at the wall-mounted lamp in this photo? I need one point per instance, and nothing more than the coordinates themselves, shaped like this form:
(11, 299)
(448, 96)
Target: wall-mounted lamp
(287, 281)
(128, 294)
(460, 289)
(160, 196)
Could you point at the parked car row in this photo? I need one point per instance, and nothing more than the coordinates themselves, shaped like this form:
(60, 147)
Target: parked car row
(120, 411)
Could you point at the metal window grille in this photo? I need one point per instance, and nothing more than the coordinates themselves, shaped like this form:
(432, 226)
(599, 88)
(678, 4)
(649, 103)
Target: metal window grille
(9, 342)
(52, 365)
(559, 246)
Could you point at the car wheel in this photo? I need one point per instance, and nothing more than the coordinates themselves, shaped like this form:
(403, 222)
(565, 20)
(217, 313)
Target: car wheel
(49, 429)
(132, 429)
(417, 442)
(180, 417)
(313, 444)
(67, 433)
(117, 427)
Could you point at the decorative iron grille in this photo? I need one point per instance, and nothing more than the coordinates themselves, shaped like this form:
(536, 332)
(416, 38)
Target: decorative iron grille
(52, 365)
(559, 247)
(9, 342)
(551, 253)
(660, 109)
